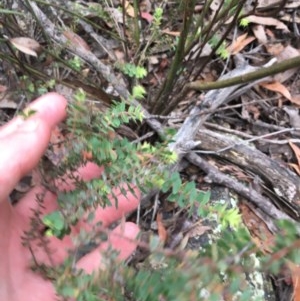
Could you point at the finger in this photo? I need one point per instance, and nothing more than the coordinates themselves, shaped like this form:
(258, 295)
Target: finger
(108, 215)
(36, 204)
(20, 152)
(84, 173)
(51, 108)
(22, 142)
(47, 203)
(40, 199)
(122, 205)
(122, 239)
(37, 199)
(59, 248)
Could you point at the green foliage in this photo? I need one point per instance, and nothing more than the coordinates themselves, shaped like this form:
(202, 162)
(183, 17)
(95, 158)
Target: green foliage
(78, 285)
(138, 92)
(132, 71)
(244, 22)
(202, 274)
(38, 87)
(157, 17)
(56, 224)
(75, 63)
(221, 50)
(123, 162)
(195, 275)
(228, 217)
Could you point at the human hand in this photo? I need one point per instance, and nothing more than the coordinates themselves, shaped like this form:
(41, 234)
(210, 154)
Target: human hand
(22, 143)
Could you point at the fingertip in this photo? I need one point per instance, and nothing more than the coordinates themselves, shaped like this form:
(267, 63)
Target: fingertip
(30, 135)
(37, 199)
(120, 206)
(130, 201)
(89, 171)
(122, 239)
(50, 107)
(85, 173)
(21, 152)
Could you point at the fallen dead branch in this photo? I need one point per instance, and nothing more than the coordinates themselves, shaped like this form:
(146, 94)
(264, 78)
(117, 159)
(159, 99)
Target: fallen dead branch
(278, 182)
(246, 78)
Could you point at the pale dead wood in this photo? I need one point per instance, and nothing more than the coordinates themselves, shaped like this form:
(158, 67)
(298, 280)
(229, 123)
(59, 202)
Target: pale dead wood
(284, 186)
(212, 101)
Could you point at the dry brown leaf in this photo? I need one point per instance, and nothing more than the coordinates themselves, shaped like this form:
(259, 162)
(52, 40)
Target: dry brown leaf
(254, 111)
(287, 18)
(270, 34)
(197, 230)
(85, 72)
(295, 167)
(268, 22)
(153, 60)
(76, 40)
(171, 33)
(294, 117)
(26, 45)
(287, 53)
(240, 43)
(296, 99)
(120, 55)
(194, 53)
(58, 149)
(184, 242)
(129, 9)
(296, 150)
(260, 233)
(278, 87)
(274, 48)
(6, 103)
(260, 34)
(87, 155)
(162, 232)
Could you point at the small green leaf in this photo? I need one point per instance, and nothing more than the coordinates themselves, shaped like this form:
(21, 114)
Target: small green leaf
(68, 291)
(27, 113)
(54, 220)
(244, 22)
(175, 181)
(138, 92)
(140, 72)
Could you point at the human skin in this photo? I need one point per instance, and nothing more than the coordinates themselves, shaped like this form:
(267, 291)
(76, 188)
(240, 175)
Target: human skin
(22, 143)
